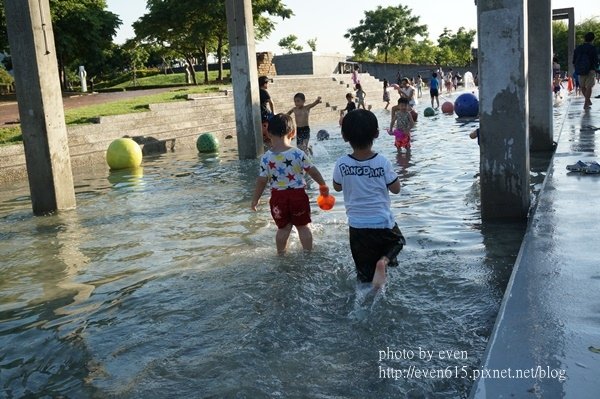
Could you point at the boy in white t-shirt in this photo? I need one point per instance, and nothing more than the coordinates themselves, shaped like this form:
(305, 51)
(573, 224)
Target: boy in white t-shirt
(366, 178)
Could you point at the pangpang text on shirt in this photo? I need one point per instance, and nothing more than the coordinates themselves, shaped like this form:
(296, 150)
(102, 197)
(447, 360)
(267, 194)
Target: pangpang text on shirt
(356, 170)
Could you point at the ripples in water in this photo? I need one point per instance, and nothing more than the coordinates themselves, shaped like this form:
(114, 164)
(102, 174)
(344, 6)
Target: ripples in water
(162, 283)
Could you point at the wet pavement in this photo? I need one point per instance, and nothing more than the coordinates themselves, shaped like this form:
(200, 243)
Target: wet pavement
(546, 341)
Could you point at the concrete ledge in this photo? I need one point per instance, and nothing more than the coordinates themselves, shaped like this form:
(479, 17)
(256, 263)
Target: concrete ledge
(549, 321)
(175, 126)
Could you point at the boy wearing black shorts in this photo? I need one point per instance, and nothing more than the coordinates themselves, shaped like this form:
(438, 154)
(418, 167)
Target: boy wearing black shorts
(367, 178)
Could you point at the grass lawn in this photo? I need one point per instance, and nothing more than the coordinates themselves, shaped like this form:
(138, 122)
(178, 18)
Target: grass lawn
(82, 115)
(170, 79)
(10, 135)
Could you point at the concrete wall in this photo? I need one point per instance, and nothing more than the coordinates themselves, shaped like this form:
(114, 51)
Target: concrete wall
(327, 64)
(307, 63)
(390, 71)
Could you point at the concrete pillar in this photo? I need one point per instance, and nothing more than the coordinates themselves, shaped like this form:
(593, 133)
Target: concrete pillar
(244, 77)
(571, 44)
(40, 105)
(503, 107)
(540, 75)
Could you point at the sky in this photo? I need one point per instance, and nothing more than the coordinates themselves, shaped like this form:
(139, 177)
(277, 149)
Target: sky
(329, 20)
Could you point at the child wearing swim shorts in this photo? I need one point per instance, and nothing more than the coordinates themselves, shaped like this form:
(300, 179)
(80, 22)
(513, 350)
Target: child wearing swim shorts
(404, 123)
(282, 169)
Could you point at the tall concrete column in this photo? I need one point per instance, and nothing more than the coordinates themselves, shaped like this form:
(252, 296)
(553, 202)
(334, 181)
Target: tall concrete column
(540, 75)
(244, 75)
(571, 44)
(41, 110)
(503, 107)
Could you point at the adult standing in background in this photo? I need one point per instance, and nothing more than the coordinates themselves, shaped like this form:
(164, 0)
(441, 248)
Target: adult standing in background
(585, 61)
(267, 110)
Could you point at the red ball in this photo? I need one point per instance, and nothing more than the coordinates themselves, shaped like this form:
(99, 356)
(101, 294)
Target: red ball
(326, 202)
(448, 107)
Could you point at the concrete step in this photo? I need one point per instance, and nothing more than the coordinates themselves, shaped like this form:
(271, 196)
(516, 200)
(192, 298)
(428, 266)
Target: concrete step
(172, 125)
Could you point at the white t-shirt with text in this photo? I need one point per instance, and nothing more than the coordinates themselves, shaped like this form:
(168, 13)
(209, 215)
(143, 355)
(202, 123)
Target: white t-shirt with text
(365, 187)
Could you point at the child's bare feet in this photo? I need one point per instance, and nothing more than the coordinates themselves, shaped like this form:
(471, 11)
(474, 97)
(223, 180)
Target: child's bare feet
(379, 276)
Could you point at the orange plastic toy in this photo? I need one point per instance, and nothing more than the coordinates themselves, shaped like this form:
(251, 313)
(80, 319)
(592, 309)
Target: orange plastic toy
(324, 200)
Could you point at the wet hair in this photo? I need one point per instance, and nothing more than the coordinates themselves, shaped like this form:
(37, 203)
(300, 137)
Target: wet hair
(280, 125)
(360, 128)
(434, 75)
(349, 96)
(589, 37)
(385, 83)
(300, 96)
(403, 100)
(262, 80)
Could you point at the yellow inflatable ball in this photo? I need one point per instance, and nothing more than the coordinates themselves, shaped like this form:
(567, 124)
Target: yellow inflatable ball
(124, 153)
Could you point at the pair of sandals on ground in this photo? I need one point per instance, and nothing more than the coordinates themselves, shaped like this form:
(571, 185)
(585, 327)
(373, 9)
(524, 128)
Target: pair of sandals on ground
(591, 168)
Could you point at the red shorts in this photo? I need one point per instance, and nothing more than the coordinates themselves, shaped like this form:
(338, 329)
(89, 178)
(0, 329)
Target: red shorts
(290, 206)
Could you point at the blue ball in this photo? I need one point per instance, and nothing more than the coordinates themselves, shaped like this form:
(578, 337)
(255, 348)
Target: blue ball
(466, 105)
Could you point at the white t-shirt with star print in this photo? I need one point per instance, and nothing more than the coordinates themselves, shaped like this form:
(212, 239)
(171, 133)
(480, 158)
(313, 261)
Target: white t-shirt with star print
(285, 170)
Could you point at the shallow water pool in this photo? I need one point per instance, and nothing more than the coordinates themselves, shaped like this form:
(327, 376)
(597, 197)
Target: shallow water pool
(163, 283)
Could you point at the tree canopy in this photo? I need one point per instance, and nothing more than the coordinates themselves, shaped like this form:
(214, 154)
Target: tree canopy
(385, 29)
(289, 43)
(193, 28)
(83, 31)
(560, 38)
(455, 48)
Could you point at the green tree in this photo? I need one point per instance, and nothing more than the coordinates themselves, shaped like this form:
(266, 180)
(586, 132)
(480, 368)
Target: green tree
(424, 52)
(312, 44)
(289, 43)
(560, 38)
(455, 49)
(83, 29)
(384, 29)
(136, 56)
(3, 34)
(195, 28)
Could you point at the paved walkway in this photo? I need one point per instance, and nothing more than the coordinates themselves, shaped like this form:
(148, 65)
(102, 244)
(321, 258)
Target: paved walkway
(9, 111)
(550, 316)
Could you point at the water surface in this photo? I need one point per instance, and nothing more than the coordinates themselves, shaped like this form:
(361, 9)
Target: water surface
(162, 283)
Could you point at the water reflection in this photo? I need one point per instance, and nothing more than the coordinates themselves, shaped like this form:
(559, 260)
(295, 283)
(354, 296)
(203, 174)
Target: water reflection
(163, 283)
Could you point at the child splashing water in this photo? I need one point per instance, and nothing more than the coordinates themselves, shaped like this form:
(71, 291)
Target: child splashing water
(367, 178)
(404, 123)
(301, 112)
(282, 168)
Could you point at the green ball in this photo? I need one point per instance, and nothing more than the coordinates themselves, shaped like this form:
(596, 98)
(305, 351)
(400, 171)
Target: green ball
(429, 111)
(124, 153)
(207, 143)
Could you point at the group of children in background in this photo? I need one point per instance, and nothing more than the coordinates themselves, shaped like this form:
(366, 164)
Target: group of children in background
(365, 177)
